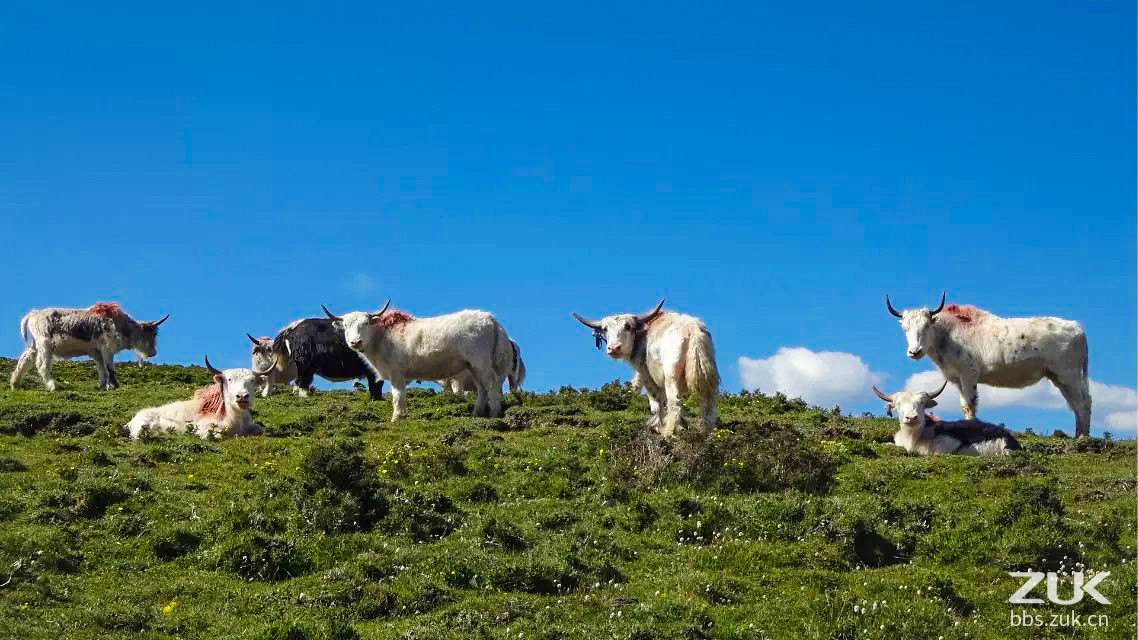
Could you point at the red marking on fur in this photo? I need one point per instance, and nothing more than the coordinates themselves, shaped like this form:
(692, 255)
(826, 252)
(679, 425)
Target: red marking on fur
(963, 313)
(932, 417)
(266, 341)
(210, 401)
(106, 309)
(391, 318)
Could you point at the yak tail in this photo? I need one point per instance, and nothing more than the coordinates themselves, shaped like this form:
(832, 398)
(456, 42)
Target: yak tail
(700, 372)
(518, 371)
(24, 327)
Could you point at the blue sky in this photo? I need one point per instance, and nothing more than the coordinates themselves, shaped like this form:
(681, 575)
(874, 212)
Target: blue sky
(773, 169)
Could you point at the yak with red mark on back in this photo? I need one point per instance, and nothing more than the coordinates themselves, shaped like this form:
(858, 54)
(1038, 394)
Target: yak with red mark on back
(99, 331)
(401, 348)
(972, 346)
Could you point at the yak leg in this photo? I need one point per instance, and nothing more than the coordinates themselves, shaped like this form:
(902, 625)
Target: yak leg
(489, 384)
(1078, 396)
(374, 387)
(267, 386)
(673, 412)
(22, 366)
(101, 369)
(657, 400)
(398, 402)
(109, 365)
(968, 398)
(304, 375)
(43, 364)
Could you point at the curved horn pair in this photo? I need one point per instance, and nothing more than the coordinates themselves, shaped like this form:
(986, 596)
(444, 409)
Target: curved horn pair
(337, 318)
(889, 305)
(889, 398)
(642, 318)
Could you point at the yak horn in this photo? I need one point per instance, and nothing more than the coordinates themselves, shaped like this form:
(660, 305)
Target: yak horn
(889, 306)
(884, 396)
(209, 367)
(942, 296)
(381, 311)
(645, 317)
(256, 342)
(595, 326)
(939, 391)
(329, 313)
(266, 372)
(155, 324)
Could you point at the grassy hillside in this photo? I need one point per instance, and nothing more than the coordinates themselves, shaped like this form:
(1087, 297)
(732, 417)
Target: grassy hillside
(562, 520)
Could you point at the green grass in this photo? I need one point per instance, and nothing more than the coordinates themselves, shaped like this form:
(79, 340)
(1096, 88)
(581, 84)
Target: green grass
(561, 520)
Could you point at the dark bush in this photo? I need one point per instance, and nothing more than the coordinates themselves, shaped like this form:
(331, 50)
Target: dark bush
(175, 545)
(338, 490)
(424, 517)
(29, 422)
(258, 557)
(90, 500)
(740, 457)
(502, 535)
(288, 631)
(11, 465)
(558, 415)
(482, 492)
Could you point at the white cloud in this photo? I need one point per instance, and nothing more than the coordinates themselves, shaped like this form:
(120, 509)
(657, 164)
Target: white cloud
(1126, 420)
(823, 378)
(1116, 402)
(360, 284)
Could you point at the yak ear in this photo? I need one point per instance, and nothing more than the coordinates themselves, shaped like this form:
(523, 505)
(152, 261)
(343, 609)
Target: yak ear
(930, 404)
(889, 409)
(217, 377)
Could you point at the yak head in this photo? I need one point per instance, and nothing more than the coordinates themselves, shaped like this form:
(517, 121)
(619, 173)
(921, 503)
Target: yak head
(619, 331)
(909, 405)
(917, 325)
(359, 326)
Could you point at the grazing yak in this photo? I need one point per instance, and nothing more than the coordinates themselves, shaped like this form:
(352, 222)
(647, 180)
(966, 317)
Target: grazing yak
(401, 348)
(308, 348)
(928, 435)
(971, 346)
(464, 382)
(99, 331)
(672, 354)
(219, 409)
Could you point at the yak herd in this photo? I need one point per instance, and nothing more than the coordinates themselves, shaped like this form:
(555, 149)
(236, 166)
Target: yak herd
(469, 351)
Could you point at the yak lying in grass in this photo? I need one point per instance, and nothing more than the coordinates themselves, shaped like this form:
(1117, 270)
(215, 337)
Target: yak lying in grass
(219, 409)
(926, 435)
